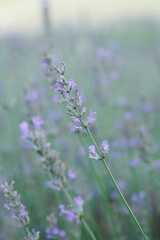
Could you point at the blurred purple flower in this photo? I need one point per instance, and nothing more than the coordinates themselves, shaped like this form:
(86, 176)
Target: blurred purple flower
(54, 59)
(90, 118)
(32, 96)
(134, 162)
(24, 129)
(105, 146)
(71, 174)
(92, 149)
(37, 122)
(22, 211)
(134, 198)
(121, 184)
(78, 201)
(6, 206)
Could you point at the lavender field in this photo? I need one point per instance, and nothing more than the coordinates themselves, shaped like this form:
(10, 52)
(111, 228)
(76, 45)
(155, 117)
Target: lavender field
(80, 133)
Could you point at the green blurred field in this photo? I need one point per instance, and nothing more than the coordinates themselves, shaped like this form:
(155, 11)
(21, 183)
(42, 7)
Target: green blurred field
(139, 82)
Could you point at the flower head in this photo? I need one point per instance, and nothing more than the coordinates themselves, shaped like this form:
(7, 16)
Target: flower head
(37, 122)
(24, 129)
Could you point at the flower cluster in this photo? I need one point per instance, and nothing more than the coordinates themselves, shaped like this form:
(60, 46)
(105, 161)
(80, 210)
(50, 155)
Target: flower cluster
(17, 209)
(73, 214)
(72, 97)
(53, 232)
(103, 151)
(49, 159)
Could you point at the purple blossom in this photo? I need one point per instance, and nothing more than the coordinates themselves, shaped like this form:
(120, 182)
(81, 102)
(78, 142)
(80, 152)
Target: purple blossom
(57, 87)
(22, 211)
(62, 210)
(90, 118)
(13, 215)
(70, 216)
(74, 127)
(62, 233)
(54, 59)
(6, 206)
(78, 201)
(92, 149)
(105, 146)
(134, 162)
(24, 129)
(142, 195)
(37, 122)
(134, 198)
(71, 174)
(32, 96)
(71, 84)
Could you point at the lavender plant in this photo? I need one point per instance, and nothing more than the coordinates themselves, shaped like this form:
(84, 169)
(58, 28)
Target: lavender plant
(17, 210)
(77, 114)
(59, 178)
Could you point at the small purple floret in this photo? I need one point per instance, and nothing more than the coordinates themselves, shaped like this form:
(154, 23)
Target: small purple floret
(90, 118)
(24, 129)
(37, 122)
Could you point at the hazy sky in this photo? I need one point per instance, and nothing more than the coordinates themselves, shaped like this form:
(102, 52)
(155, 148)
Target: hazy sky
(25, 15)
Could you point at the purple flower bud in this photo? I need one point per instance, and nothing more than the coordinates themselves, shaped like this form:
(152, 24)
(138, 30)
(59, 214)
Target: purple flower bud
(37, 122)
(71, 83)
(24, 129)
(92, 149)
(78, 201)
(90, 118)
(6, 206)
(105, 146)
(62, 233)
(70, 216)
(22, 211)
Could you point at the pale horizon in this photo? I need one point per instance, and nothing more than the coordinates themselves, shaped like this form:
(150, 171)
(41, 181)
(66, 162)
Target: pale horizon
(25, 16)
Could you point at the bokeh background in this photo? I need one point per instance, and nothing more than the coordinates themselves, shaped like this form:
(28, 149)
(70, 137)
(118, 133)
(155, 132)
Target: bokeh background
(112, 50)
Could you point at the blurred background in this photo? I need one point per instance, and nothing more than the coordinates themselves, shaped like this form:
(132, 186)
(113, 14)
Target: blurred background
(112, 50)
(26, 16)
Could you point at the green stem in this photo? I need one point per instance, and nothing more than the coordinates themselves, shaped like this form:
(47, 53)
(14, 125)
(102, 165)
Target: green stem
(116, 186)
(123, 199)
(110, 216)
(88, 229)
